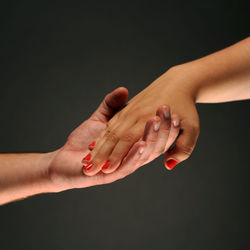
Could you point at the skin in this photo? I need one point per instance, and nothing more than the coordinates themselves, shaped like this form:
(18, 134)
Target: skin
(220, 77)
(23, 175)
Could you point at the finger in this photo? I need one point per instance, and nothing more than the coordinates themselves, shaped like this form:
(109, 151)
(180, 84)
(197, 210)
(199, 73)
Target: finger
(174, 131)
(136, 157)
(139, 153)
(164, 113)
(183, 147)
(129, 164)
(110, 105)
(97, 141)
(123, 146)
(127, 141)
(151, 140)
(99, 144)
(103, 149)
(153, 152)
(151, 133)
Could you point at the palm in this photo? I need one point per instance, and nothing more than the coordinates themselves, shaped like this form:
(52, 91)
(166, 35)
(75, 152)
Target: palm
(66, 167)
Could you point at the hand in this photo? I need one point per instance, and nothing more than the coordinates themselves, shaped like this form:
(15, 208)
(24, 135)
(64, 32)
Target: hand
(127, 126)
(65, 169)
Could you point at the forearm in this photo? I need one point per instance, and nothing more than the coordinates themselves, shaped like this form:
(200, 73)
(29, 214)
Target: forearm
(220, 77)
(23, 175)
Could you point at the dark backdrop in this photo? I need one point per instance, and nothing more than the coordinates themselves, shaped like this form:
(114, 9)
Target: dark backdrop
(58, 60)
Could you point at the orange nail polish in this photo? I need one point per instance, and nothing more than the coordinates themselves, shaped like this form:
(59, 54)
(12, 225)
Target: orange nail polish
(87, 157)
(92, 144)
(171, 163)
(106, 165)
(88, 166)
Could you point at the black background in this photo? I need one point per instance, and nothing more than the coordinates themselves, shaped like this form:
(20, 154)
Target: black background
(58, 60)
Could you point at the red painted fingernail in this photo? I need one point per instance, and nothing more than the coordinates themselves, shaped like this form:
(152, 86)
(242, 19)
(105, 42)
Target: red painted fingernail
(92, 144)
(106, 165)
(87, 157)
(171, 164)
(88, 166)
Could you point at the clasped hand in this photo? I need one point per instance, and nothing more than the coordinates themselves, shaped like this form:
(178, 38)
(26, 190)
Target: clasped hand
(67, 169)
(126, 127)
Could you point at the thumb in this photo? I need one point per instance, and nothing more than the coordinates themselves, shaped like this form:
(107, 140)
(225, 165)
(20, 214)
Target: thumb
(110, 105)
(183, 147)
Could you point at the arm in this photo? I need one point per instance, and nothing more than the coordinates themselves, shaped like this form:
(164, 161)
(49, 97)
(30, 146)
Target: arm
(219, 77)
(22, 175)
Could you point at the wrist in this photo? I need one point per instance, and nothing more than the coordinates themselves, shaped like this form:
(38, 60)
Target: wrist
(45, 180)
(192, 78)
(184, 79)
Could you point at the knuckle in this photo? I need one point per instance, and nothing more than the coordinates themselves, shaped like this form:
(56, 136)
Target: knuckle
(96, 161)
(166, 128)
(113, 121)
(160, 150)
(152, 140)
(129, 137)
(187, 150)
(115, 158)
(112, 136)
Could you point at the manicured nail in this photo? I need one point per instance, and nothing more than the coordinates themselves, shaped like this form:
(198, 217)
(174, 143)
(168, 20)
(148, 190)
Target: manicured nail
(141, 150)
(88, 166)
(92, 144)
(106, 165)
(166, 114)
(176, 123)
(156, 126)
(87, 157)
(171, 163)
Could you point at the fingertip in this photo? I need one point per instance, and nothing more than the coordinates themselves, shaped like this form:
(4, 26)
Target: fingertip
(87, 172)
(175, 120)
(151, 120)
(122, 89)
(170, 163)
(151, 128)
(163, 111)
(117, 98)
(141, 147)
(91, 168)
(155, 122)
(121, 92)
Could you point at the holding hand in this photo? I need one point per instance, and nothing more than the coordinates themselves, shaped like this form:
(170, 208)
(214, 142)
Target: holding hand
(127, 126)
(65, 169)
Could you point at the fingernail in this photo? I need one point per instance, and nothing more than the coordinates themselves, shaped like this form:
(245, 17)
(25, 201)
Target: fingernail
(92, 144)
(156, 126)
(106, 165)
(171, 163)
(88, 166)
(141, 150)
(166, 114)
(87, 157)
(176, 123)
